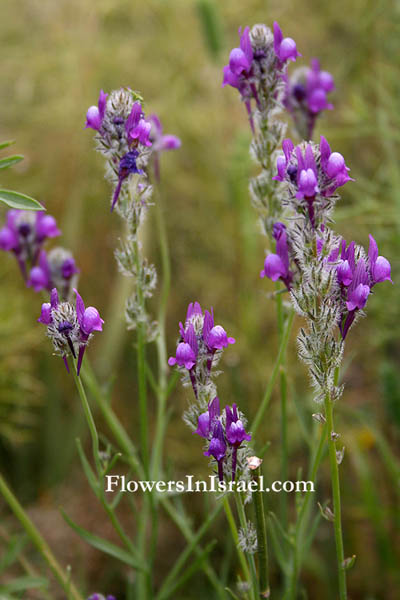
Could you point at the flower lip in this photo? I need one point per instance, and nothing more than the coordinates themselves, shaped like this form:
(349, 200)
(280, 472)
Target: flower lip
(185, 356)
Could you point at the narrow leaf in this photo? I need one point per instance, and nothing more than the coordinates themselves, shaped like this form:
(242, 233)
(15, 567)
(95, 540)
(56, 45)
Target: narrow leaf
(103, 545)
(10, 160)
(24, 583)
(18, 200)
(6, 144)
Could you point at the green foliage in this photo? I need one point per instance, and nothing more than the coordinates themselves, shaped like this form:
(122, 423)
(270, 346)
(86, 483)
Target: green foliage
(11, 198)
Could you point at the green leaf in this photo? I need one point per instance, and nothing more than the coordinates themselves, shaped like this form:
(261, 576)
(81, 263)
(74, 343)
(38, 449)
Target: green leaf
(18, 200)
(90, 476)
(104, 545)
(15, 547)
(6, 144)
(7, 162)
(24, 583)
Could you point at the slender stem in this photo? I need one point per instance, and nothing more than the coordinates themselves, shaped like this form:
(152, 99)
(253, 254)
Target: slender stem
(270, 386)
(161, 341)
(141, 365)
(62, 577)
(123, 440)
(301, 520)
(244, 526)
(262, 547)
(89, 419)
(336, 498)
(235, 537)
(182, 522)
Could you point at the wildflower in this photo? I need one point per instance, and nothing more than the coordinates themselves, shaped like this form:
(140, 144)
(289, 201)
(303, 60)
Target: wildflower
(200, 342)
(24, 235)
(235, 434)
(222, 434)
(70, 328)
(256, 67)
(276, 266)
(95, 114)
(285, 48)
(311, 171)
(306, 96)
(101, 597)
(137, 128)
(357, 274)
(57, 269)
(161, 142)
(127, 166)
(217, 448)
(123, 135)
(206, 420)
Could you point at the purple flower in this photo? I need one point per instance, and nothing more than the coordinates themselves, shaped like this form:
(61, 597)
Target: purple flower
(215, 336)
(39, 277)
(334, 167)
(70, 328)
(46, 227)
(127, 166)
(276, 266)
(344, 273)
(101, 597)
(206, 420)
(357, 277)
(187, 350)
(284, 48)
(217, 447)
(311, 170)
(161, 142)
(137, 128)
(240, 59)
(306, 96)
(95, 114)
(24, 235)
(379, 265)
(235, 431)
(200, 339)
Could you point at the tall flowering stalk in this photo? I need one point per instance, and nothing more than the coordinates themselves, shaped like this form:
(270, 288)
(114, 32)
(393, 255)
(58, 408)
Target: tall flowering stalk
(329, 285)
(199, 350)
(132, 145)
(258, 70)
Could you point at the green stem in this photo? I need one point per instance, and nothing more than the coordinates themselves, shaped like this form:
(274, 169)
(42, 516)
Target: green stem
(336, 498)
(161, 342)
(141, 365)
(262, 547)
(270, 386)
(302, 521)
(244, 526)
(235, 537)
(122, 438)
(283, 394)
(89, 419)
(37, 539)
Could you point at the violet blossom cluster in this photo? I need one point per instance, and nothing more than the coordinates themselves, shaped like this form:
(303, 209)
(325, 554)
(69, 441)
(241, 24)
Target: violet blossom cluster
(224, 436)
(129, 142)
(306, 96)
(257, 69)
(101, 597)
(69, 327)
(329, 282)
(25, 235)
(199, 350)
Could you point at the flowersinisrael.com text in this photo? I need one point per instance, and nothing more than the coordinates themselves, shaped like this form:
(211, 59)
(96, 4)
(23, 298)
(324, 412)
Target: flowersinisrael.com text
(119, 483)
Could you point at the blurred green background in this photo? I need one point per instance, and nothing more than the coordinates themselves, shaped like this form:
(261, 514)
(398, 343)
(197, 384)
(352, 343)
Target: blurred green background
(55, 58)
